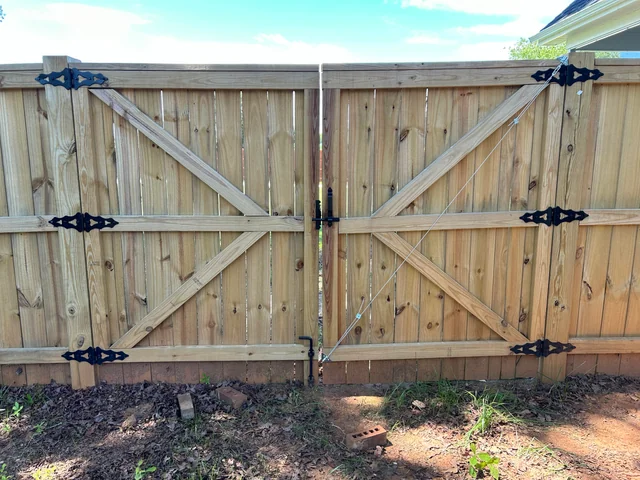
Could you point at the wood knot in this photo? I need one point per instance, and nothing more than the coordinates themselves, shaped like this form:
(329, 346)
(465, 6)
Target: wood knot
(260, 307)
(429, 326)
(299, 265)
(404, 134)
(526, 261)
(533, 184)
(522, 318)
(358, 330)
(284, 308)
(109, 265)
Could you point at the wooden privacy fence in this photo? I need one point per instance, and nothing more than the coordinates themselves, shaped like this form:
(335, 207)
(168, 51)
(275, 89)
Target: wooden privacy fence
(159, 222)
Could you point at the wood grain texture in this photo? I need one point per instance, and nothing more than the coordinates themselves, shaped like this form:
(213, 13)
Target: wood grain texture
(452, 287)
(475, 135)
(570, 187)
(74, 273)
(177, 150)
(189, 288)
(256, 159)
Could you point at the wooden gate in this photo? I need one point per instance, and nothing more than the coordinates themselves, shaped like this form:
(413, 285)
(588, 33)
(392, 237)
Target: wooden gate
(399, 144)
(204, 175)
(203, 181)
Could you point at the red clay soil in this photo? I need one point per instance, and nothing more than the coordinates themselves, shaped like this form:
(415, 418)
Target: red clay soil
(585, 428)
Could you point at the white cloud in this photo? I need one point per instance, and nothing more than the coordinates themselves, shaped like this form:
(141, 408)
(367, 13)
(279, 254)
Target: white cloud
(483, 51)
(539, 8)
(521, 27)
(78, 30)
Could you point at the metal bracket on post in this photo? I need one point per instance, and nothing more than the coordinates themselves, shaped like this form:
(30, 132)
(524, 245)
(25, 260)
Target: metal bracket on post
(84, 222)
(566, 75)
(542, 348)
(71, 78)
(553, 216)
(329, 219)
(94, 356)
(311, 355)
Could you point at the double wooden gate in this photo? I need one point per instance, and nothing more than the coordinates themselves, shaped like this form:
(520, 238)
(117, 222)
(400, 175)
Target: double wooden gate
(207, 263)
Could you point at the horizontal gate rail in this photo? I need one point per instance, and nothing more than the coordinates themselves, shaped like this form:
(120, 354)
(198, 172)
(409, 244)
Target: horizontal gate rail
(297, 352)
(166, 223)
(464, 221)
(189, 353)
(408, 223)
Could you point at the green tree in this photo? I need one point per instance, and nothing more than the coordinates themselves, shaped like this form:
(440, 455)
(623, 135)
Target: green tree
(527, 50)
(1, 14)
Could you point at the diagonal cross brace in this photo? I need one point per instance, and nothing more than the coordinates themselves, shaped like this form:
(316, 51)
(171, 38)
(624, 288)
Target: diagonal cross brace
(192, 162)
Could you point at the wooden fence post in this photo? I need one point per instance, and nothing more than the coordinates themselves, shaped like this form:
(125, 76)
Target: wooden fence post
(72, 255)
(573, 152)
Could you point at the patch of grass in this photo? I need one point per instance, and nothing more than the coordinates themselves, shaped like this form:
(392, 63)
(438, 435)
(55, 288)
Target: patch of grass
(441, 399)
(491, 408)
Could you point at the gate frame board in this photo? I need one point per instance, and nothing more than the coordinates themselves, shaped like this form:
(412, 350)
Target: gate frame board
(576, 111)
(72, 256)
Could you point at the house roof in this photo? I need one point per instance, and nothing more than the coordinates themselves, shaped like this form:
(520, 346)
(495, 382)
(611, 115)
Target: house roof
(573, 8)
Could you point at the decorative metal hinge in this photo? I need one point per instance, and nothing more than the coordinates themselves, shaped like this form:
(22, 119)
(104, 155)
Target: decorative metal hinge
(330, 219)
(84, 222)
(542, 348)
(553, 216)
(94, 356)
(71, 78)
(566, 75)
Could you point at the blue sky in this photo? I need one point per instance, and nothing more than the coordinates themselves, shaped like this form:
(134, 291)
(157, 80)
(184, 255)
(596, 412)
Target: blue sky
(252, 31)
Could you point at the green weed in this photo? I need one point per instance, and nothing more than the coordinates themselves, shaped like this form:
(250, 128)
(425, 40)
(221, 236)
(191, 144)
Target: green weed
(205, 379)
(3, 469)
(141, 472)
(16, 410)
(39, 428)
(481, 461)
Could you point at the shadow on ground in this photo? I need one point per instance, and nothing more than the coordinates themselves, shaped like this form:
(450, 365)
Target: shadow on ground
(108, 432)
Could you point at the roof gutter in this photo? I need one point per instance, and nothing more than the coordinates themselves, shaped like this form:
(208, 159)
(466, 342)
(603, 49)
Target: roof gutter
(559, 32)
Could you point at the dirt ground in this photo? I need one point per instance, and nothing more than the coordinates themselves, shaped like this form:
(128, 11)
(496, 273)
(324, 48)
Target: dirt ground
(585, 428)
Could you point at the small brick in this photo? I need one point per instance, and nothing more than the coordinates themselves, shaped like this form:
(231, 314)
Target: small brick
(231, 396)
(187, 411)
(367, 439)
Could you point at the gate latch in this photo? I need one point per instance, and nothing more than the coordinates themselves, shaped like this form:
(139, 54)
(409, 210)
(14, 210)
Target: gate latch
(83, 222)
(330, 219)
(566, 75)
(553, 216)
(542, 348)
(71, 78)
(94, 356)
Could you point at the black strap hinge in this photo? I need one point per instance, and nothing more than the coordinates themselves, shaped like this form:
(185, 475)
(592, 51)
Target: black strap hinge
(94, 356)
(567, 75)
(553, 216)
(71, 78)
(329, 219)
(83, 222)
(542, 348)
